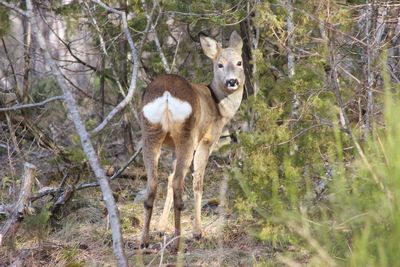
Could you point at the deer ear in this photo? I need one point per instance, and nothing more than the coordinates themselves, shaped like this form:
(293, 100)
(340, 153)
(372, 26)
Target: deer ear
(235, 41)
(210, 47)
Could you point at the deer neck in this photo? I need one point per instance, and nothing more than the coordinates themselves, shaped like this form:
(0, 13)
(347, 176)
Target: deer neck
(227, 103)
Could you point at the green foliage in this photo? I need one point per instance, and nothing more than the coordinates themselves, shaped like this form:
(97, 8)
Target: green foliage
(357, 224)
(69, 254)
(76, 154)
(44, 88)
(281, 159)
(37, 224)
(4, 21)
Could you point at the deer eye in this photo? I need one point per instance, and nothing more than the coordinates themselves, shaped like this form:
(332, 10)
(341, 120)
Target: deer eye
(220, 65)
(239, 63)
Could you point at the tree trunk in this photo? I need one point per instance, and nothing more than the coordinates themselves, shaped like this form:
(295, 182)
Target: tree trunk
(27, 58)
(245, 32)
(250, 35)
(374, 38)
(123, 78)
(86, 143)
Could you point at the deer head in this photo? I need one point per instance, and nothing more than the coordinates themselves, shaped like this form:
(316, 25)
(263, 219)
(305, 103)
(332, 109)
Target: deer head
(227, 63)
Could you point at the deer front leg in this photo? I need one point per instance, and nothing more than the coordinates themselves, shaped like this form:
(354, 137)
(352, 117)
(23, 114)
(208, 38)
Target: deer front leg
(200, 162)
(162, 224)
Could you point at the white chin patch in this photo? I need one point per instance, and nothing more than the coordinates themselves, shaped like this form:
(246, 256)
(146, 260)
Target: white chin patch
(232, 87)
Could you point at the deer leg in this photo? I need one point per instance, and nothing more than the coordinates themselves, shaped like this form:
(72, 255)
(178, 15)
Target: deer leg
(162, 224)
(151, 154)
(184, 156)
(199, 162)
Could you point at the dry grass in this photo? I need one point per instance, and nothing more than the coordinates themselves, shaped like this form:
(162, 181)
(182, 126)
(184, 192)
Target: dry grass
(79, 234)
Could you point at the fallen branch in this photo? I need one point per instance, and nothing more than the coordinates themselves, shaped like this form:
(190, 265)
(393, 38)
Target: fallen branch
(18, 212)
(40, 136)
(6, 98)
(32, 105)
(120, 173)
(5, 209)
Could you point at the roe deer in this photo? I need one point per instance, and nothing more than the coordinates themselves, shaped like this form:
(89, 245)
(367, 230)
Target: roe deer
(189, 118)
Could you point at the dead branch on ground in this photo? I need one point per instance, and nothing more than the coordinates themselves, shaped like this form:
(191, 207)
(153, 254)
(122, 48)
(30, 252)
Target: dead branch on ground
(122, 172)
(11, 226)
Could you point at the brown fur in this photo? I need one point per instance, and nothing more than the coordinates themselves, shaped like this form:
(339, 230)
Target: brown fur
(194, 137)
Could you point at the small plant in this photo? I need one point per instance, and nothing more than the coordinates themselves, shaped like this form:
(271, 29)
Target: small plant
(37, 225)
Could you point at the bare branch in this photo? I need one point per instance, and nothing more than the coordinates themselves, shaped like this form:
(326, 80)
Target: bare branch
(103, 47)
(149, 24)
(5, 209)
(14, 8)
(136, 62)
(344, 120)
(14, 74)
(300, 133)
(176, 51)
(161, 53)
(12, 224)
(86, 143)
(32, 105)
(156, 39)
(81, 186)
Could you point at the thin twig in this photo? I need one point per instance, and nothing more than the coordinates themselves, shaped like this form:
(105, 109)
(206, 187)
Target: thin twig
(156, 39)
(81, 186)
(11, 226)
(14, 74)
(176, 52)
(14, 8)
(162, 250)
(32, 105)
(149, 24)
(86, 143)
(135, 68)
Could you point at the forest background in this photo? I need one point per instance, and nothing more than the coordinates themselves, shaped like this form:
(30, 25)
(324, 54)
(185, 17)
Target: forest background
(307, 173)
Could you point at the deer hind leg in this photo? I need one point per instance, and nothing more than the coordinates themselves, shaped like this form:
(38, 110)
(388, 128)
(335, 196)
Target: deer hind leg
(184, 157)
(151, 154)
(199, 162)
(162, 224)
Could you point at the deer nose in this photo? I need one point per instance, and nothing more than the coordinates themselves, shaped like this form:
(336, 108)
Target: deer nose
(232, 82)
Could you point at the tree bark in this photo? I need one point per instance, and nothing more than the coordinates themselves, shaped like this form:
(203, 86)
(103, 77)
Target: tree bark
(290, 57)
(369, 73)
(27, 58)
(11, 226)
(373, 34)
(132, 86)
(86, 143)
(245, 32)
(123, 77)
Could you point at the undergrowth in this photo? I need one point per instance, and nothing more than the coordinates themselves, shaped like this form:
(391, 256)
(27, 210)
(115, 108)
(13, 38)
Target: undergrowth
(354, 221)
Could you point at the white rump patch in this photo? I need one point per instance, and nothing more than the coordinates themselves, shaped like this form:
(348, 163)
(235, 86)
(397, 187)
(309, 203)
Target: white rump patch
(166, 109)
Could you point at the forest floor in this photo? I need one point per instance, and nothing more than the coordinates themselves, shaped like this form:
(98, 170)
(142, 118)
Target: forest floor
(78, 233)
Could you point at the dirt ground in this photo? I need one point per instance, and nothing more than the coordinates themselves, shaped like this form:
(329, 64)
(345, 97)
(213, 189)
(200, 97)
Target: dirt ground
(78, 233)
